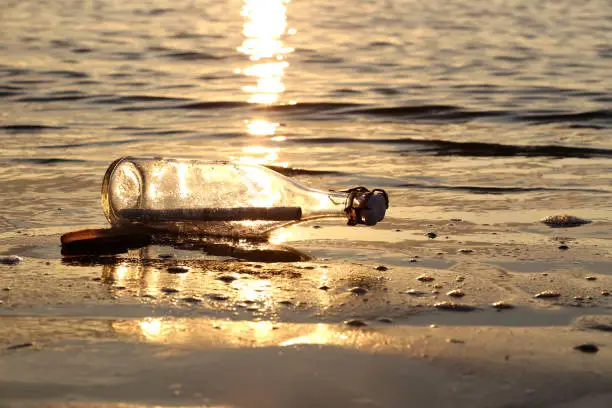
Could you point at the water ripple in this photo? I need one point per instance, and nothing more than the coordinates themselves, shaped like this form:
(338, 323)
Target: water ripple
(478, 149)
(496, 190)
(29, 128)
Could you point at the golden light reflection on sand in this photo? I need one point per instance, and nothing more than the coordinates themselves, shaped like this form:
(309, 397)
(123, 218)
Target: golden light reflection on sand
(151, 328)
(121, 272)
(254, 291)
(322, 334)
(282, 235)
(228, 333)
(139, 277)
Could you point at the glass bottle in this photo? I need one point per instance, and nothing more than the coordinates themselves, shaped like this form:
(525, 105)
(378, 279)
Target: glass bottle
(223, 198)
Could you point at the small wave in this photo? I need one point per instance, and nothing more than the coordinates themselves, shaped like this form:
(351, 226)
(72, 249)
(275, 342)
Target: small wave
(46, 161)
(137, 98)
(290, 171)
(298, 107)
(444, 113)
(183, 35)
(128, 56)
(603, 115)
(381, 44)
(124, 128)
(154, 12)
(386, 91)
(214, 105)
(473, 87)
(8, 94)
(120, 75)
(438, 113)
(191, 56)
(134, 84)
(212, 136)
(301, 108)
(310, 107)
(178, 86)
(149, 98)
(62, 43)
(495, 190)
(90, 144)
(399, 111)
(60, 98)
(217, 77)
(323, 60)
(29, 128)
(66, 74)
(11, 72)
(586, 126)
(346, 91)
(82, 50)
(66, 93)
(478, 149)
(31, 81)
(162, 132)
(11, 88)
(447, 148)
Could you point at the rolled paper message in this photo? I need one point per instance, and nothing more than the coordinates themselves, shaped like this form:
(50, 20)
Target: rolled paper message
(214, 214)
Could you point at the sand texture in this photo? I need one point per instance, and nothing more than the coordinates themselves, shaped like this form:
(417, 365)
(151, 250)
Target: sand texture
(177, 326)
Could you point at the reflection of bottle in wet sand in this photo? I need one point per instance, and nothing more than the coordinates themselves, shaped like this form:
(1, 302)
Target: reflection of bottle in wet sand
(223, 198)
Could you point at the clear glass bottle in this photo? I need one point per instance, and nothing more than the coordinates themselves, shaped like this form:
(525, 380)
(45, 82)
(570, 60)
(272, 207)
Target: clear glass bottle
(223, 198)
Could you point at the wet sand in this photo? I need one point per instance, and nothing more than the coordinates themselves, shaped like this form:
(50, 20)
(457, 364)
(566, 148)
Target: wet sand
(167, 326)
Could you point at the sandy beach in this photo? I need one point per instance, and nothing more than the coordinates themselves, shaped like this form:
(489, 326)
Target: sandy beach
(123, 331)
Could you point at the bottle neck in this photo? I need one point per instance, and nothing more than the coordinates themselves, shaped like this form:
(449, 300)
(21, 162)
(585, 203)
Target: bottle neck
(325, 205)
(359, 205)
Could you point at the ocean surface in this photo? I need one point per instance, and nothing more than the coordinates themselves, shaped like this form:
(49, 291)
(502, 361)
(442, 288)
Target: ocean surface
(494, 112)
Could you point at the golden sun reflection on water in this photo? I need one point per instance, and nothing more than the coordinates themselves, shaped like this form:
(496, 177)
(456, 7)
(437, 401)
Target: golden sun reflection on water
(261, 155)
(260, 127)
(265, 25)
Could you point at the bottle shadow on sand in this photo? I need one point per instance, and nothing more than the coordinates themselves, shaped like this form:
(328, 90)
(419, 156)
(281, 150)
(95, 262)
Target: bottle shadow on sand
(102, 247)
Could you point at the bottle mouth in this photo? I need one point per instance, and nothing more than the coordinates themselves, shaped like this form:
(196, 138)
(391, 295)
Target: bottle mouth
(122, 187)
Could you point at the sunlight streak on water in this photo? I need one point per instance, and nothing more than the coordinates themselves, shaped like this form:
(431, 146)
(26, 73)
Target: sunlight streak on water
(264, 26)
(259, 155)
(261, 127)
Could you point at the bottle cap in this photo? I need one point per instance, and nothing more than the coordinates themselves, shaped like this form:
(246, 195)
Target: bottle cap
(375, 209)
